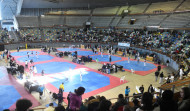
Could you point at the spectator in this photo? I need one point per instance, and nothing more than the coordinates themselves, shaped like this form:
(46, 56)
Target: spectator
(75, 99)
(105, 105)
(184, 105)
(60, 97)
(93, 103)
(120, 102)
(23, 104)
(6, 110)
(167, 103)
(172, 77)
(146, 102)
(136, 104)
(50, 107)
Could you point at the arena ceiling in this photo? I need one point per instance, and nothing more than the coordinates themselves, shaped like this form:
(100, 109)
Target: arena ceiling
(9, 8)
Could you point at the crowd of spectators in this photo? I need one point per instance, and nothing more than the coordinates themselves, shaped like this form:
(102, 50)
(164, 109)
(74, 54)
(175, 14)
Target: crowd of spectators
(167, 102)
(4, 37)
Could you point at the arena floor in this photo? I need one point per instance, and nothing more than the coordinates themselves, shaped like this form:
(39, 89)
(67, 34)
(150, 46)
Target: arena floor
(58, 70)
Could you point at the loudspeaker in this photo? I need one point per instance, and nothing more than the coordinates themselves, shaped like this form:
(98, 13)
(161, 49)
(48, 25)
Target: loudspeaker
(2, 47)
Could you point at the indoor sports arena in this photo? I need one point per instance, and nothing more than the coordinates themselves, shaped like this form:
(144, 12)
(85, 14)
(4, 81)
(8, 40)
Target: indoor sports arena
(95, 55)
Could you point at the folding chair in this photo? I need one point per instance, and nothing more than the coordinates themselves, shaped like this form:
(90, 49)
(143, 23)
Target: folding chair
(122, 78)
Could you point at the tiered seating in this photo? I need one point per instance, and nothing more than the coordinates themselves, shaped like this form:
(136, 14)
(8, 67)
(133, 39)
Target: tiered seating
(78, 12)
(154, 20)
(140, 22)
(134, 9)
(27, 21)
(165, 6)
(115, 21)
(101, 21)
(33, 32)
(51, 34)
(176, 20)
(3, 35)
(52, 20)
(105, 11)
(185, 6)
(76, 21)
(121, 9)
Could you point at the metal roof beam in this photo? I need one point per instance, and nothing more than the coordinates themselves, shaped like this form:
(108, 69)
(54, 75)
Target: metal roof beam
(19, 7)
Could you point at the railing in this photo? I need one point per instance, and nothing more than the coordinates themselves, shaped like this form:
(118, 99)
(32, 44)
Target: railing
(175, 84)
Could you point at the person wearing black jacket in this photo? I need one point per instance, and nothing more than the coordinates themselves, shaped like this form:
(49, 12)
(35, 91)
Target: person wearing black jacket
(161, 77)
(159, 68)
(150, 89)
(156, 75)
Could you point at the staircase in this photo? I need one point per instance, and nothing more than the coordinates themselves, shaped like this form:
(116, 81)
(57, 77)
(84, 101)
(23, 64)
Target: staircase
(13, 36)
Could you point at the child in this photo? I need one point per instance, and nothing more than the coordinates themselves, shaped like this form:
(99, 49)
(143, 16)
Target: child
(144, 62)
(42, 72)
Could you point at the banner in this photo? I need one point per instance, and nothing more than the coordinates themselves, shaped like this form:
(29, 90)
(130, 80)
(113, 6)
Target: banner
(124, 44)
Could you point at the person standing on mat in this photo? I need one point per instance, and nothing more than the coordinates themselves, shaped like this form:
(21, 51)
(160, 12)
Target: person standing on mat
(138, 59)
(95, 50)
(80, 76)
(110, 58)
(36, 55)
(28, 54)
(128, 59)
(101, 50)
(42, 72)
(144, 62)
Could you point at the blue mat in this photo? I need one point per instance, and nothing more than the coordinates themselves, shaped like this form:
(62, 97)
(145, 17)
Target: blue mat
(2, 74)
(68, 49)
(136, 66)
(85, 53)
(105, 58)
(23, 53)
(35, 59)
(54, 67)
(9, 96)
(90, 81)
